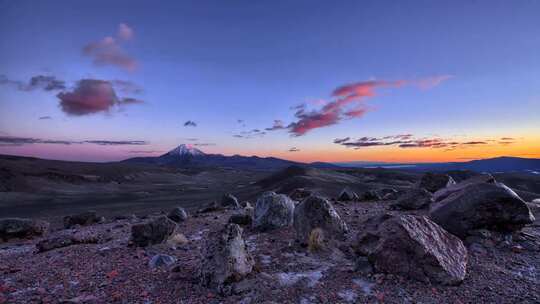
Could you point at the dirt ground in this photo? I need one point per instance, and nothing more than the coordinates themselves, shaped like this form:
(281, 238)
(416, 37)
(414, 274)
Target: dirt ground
(112, 272)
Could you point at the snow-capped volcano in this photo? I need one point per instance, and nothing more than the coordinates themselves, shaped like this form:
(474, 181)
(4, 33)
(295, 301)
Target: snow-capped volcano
(185, 150)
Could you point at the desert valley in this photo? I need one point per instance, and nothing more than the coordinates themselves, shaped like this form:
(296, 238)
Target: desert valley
(142, 231)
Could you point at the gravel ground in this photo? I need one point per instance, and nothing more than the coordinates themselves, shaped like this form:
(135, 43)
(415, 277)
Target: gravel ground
(503, 270)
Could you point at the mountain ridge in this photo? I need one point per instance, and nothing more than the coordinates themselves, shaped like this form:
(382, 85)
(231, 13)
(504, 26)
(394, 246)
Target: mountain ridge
(188, 156)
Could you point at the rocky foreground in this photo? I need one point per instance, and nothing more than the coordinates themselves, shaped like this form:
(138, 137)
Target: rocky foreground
(441, 242)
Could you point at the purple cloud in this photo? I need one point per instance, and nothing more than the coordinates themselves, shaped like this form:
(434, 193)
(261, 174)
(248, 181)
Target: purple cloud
(92, 96)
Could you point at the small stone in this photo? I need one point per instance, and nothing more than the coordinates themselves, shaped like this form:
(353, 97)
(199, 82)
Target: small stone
(161, 260)
(178, 215)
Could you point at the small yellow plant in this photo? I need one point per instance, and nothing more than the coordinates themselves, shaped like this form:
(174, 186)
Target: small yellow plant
(316, 239)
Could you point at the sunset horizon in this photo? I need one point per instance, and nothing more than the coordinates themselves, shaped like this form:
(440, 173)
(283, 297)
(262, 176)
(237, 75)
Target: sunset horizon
(248, 82)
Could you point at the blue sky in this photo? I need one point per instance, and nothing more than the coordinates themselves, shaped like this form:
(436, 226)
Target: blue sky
(218, 62)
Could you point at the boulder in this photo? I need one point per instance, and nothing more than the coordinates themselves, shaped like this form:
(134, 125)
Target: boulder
(68, 238)
(299, 194)
(435, 181)
(178, 215)
(388, 194)
(154, 231)
(482, 205)
(241, 219)
(317, 212)
(229, 201)
(213, 206)
(225, 259)
(160, 260)
(414, 247)
(82, 219)
(414, 199)
(21, 228)
(54, 242)
(347, 195)
(273, 211)
(443, 193)
(370, 195)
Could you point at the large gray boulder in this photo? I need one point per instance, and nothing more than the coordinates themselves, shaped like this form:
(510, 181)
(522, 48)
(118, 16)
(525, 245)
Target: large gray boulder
(226, 259)
(21, 228)
(443, 193)
(317, 212)
(178, 215)
(413, 246)
(82, 219)
(435, 181)
(481, 205)
(273, 211)
(414, 199)
(154, 231)
(299, 194)
(229, 200)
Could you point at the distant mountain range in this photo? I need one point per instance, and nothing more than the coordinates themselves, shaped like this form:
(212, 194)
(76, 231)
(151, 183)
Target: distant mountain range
(498, 164)
(189, 156)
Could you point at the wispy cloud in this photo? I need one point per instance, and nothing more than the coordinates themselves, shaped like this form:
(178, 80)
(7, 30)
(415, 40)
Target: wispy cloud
(126, 87)
(109, 50)
(278, 125)
(92, 96)
(348, 102)
(204, 144)
(408, 141)
(44, 117)
(294, 149)
(250, 134)
(117, 142)
(19, 141)
(190, 123)
(42, 82)
(145, 151)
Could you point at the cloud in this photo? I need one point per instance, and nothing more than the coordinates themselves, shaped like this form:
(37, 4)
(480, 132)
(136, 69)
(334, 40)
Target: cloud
(117, 142)
(19, 141)
(294, 149)
(92, 96)
(250, 134)
(145, 151)
(47, 83)
(125, 32)
(348, 102)
(44, 117)
(406, 141)
(43, 82)
(204, 144)
(129, 100)
(126, 87)
(341, 140)
(109, 51)
(278, 125)
(190, 123)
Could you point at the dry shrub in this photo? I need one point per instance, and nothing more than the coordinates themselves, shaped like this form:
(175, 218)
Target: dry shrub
(316, 239)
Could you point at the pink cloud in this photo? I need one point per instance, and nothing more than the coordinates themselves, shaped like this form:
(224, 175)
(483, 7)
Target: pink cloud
(125, 32)
(92, 96)
(349, 103)
(108, 51)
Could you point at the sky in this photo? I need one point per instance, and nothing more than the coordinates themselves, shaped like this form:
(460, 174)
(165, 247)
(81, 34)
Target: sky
(385, 81)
